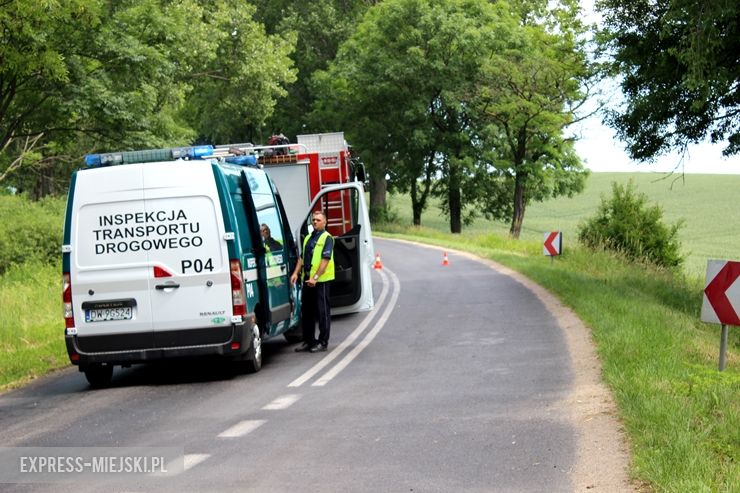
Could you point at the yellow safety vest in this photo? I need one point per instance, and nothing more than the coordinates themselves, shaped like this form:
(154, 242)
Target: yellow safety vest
(328, 274)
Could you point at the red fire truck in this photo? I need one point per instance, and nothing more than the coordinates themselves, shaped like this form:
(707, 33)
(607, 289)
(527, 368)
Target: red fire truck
(320, 173)
(304, 169)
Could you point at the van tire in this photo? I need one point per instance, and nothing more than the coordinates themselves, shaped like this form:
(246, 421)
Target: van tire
(254, 353)
(98, 376)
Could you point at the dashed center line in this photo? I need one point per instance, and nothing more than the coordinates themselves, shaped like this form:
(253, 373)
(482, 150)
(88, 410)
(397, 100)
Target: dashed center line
(192, 460)
(242, 428)
(283, 402)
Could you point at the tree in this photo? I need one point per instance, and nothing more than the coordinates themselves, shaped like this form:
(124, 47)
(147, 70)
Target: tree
(398, 87)
(471, 97)
(235, 88)
(84, 75)
(532, 92)
(318, 27)
(80, 72)
(677, 60)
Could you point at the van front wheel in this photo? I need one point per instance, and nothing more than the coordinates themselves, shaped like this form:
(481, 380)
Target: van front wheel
(254, 354)
(98, 375)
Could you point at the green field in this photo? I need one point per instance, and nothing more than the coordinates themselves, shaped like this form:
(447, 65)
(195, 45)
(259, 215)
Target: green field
(708, 204)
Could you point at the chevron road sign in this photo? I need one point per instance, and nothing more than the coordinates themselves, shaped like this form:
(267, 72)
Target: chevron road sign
(722, 293)
(553, 243)
(722, 300)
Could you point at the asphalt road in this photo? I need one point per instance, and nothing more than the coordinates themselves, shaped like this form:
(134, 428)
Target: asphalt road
(454, 382)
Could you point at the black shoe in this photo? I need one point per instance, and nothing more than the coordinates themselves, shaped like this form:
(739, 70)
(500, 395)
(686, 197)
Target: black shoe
(304, 348)
(316, 349)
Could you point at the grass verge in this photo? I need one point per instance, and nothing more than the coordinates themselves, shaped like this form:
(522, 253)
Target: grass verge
(31, 323)
(681, 414)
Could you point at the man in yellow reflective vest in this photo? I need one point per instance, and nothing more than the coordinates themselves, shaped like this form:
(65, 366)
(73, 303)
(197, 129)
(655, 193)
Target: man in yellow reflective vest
(316, 269)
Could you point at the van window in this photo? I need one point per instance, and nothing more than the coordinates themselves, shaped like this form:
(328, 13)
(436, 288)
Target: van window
(270, 229)
(259, 185)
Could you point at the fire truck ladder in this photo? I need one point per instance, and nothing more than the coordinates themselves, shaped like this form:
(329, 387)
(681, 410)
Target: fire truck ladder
(330, 148)
(336, 203)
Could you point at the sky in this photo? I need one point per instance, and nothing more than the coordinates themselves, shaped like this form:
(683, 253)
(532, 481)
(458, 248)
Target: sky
(602, 151)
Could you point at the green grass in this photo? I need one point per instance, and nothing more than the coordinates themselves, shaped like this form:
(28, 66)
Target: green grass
(681, 414)
(707, 203)
(31, 323)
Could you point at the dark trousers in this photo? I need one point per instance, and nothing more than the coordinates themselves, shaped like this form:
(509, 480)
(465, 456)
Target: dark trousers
(315, 308)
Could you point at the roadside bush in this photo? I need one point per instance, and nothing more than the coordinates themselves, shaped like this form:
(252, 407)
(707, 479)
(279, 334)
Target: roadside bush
(30, 230)
(626, 224)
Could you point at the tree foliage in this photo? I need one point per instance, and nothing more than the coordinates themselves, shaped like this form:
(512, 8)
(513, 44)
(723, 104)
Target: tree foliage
(319, 27)
(81, 75)
(678, 62)
(627, 224)
(470, 96)
(531, 93)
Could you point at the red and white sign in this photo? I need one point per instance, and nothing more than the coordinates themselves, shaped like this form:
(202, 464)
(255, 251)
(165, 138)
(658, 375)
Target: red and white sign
(722, 293)
(553, 243)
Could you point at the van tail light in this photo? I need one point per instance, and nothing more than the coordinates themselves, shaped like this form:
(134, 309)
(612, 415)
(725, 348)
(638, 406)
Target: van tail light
(238, 299)
(69, 319)
(161, 272)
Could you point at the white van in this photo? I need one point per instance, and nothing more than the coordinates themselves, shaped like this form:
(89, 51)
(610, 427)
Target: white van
(163, 257)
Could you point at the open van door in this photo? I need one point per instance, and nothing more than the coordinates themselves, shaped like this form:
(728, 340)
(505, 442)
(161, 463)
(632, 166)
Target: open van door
(348, 222)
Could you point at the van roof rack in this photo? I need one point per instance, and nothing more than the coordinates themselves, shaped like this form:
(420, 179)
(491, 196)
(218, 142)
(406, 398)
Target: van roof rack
(267, 154)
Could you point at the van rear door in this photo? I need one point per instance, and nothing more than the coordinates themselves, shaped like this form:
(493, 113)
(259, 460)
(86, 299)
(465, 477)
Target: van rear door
(349, 222)
(110, 281)
(189, 284)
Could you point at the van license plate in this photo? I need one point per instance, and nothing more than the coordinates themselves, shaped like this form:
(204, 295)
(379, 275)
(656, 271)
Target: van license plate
(106, 314)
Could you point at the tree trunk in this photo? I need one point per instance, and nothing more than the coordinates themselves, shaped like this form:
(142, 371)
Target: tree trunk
(519, 206)
(378, 189)
(416, 206)
(454, 199)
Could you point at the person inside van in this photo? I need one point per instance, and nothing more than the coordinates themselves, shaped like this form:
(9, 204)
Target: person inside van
(316, 269)
(271, 244)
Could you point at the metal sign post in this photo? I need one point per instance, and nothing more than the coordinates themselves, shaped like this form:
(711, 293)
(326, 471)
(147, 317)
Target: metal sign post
(723, 348)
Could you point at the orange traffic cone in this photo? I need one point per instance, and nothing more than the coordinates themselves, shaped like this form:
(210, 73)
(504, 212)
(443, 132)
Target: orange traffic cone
(378, 264)
(445, 260)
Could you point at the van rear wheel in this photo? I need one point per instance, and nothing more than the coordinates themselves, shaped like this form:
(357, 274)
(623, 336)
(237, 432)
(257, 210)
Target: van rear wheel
(98, 376)
(254, 354)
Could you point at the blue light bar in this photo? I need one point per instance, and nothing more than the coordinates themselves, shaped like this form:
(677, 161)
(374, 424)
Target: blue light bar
(92, 160)
(250, 160)
(201, 151)
(148, 156)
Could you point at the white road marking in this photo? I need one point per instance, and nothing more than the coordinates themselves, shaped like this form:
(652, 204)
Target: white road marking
(333, 354)
(283, 402)
(367, 340)
(242, 428)
(192, 460)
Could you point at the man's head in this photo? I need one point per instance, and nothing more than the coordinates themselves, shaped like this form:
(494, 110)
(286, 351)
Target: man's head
(318, 220)
(265, 231)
